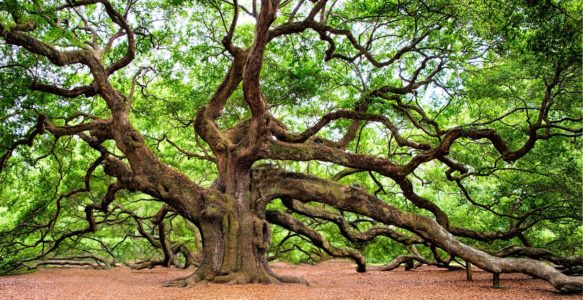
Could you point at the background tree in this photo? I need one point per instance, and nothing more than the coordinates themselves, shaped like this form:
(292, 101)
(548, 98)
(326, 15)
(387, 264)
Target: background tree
(451, 128)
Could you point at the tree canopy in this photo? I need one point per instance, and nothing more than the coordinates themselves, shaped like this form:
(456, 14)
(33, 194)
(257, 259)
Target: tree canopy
(225, 134)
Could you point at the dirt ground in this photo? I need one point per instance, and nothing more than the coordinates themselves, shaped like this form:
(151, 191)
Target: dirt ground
(329, 280)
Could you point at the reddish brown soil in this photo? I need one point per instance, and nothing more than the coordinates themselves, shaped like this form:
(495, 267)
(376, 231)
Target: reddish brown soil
(330, 280)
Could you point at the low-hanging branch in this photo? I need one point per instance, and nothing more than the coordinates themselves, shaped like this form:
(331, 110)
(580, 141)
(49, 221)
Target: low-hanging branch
(347, 229)
(398, 55)
(309, 188)
(290, 223)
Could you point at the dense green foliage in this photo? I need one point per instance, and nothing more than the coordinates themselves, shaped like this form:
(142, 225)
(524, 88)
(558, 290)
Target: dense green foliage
(498, 55)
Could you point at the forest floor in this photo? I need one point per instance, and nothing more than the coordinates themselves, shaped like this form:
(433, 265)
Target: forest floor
(329, 280)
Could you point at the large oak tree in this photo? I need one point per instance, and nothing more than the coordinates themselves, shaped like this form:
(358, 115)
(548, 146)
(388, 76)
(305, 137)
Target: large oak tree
(427, 104)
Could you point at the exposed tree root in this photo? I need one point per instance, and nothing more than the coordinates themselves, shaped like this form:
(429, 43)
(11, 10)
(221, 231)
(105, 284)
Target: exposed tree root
(190, 280)
(244, 278)
(292, 280)
(235, 278)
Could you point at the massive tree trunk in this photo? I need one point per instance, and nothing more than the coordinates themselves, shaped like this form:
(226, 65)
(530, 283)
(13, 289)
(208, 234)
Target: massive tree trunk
(236, 236)
(234, 248)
